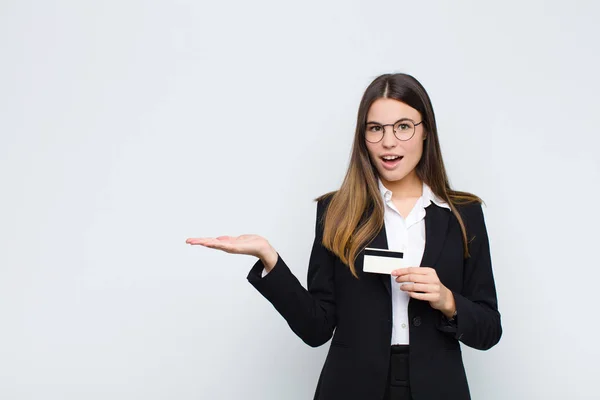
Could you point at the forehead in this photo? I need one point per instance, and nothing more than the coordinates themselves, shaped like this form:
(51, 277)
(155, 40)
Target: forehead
(388, 111)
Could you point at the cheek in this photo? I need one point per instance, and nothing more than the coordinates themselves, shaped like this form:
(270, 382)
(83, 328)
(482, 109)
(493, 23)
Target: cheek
(415, 149)
(371, 150)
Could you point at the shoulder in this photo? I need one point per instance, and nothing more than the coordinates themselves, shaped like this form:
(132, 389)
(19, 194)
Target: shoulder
(470, 210)
(324, 200)
(471, 213)
(322, 205)
(467, 204)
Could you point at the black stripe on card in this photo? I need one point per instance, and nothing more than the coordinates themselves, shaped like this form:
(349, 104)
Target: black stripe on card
(383, 253)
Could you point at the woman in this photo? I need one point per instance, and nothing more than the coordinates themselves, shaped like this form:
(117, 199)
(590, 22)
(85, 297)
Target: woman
(395, 336)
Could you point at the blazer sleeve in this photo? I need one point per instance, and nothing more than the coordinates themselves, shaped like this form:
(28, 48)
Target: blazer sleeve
(309, 313)
(477, 322)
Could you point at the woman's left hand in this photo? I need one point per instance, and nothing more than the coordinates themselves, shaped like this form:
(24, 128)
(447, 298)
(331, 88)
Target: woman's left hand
(426, 286)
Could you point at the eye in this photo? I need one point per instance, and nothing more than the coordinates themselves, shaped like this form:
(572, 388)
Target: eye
(374, 128)
(404, 126)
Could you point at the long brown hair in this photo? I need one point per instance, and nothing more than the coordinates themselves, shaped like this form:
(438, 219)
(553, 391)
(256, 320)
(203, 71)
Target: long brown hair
(355, 212)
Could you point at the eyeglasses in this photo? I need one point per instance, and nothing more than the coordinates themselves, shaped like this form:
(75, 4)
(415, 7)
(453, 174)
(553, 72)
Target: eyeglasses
(404, 130)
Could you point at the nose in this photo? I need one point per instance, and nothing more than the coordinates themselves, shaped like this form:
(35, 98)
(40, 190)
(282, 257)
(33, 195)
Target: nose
(389, 139)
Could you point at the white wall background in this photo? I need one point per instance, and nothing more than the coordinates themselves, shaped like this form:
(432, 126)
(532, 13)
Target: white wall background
(128, 126)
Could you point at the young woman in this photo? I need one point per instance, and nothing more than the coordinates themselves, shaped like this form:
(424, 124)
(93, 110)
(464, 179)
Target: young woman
(395, 336)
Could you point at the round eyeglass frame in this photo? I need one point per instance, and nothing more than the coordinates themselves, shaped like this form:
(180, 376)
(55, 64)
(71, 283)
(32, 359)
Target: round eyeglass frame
(393, 130)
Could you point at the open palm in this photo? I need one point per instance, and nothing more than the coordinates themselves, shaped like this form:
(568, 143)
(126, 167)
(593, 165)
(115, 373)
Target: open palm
(244, 244)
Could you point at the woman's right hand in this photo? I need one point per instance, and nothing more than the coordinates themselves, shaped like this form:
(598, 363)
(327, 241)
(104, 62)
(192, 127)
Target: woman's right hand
(253, 245)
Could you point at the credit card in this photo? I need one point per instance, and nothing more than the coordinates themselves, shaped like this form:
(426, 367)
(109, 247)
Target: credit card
(382, 261)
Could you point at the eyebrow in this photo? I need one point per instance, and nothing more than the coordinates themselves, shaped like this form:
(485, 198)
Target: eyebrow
(401, 119)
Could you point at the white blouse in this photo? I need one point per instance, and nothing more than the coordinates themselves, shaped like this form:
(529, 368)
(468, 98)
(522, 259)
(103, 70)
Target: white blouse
(408, 236)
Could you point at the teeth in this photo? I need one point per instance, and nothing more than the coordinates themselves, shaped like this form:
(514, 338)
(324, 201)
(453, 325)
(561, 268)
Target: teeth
(390, 157)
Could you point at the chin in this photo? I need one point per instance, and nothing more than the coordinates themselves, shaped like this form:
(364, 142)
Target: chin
(392, 176)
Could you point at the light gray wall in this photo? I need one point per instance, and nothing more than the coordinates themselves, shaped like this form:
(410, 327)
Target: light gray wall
(128, 126)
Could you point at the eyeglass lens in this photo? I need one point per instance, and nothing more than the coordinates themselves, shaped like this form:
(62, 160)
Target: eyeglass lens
(403, 130)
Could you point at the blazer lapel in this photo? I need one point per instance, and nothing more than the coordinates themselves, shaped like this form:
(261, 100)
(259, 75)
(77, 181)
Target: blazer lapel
(436, 225)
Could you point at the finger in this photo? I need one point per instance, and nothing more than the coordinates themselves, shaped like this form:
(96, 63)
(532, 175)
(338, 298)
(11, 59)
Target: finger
(418, 278)
(210, 243)
(420, 287)
(412, 270)
(423, 296)
(198, 240)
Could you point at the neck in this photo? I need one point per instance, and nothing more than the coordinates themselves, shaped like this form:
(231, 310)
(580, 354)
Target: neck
(409, 186)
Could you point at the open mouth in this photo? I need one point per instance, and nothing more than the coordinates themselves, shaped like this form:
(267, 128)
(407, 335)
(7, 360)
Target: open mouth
(391, 161)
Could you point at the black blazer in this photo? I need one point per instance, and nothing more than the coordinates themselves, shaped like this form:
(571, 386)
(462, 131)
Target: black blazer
(358, 312)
